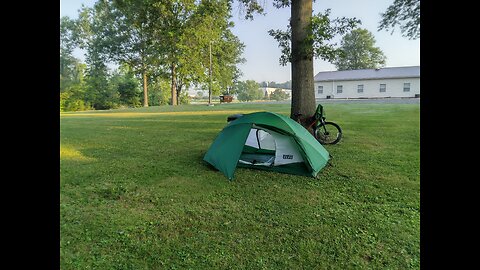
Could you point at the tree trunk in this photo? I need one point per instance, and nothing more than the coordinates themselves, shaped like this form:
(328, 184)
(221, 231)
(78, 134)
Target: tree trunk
(303, 92)
(179, 91)
(145, 89)
(174, 87)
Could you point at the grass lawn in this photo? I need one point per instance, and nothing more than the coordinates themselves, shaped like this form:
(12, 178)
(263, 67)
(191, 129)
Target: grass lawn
(136, 194)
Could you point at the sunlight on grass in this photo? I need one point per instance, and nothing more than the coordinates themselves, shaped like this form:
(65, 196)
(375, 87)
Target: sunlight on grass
(137, 114)
(67, 152)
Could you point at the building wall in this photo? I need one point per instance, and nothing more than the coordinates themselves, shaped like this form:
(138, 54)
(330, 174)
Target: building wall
(371, 88)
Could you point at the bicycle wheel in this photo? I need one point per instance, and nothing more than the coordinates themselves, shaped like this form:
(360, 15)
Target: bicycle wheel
(330, 133)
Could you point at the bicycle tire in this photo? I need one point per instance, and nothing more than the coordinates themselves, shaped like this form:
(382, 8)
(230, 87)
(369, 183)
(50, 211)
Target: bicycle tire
(326, 137)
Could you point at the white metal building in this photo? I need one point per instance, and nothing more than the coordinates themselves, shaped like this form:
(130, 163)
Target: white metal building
(368, 83)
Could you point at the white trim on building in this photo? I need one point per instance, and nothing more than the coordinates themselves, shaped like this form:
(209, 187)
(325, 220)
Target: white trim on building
(368, 83)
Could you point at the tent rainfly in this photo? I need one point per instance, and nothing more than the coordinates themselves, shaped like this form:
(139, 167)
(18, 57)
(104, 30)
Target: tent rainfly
(267, 141)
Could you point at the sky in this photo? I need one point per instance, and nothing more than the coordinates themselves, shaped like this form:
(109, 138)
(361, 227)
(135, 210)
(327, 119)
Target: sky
(262, 52)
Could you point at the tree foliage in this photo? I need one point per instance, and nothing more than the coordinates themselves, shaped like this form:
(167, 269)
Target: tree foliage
(248, 90)
(158, 41)
(159, 92)
(68, 41)
(197, 32)
(358, 51)
(279, 95)
(124, 82)
(89, 27)
(405, 14)
(178, 34)
(72, 71)
(318, 43)
(171, 40)
(90, 85)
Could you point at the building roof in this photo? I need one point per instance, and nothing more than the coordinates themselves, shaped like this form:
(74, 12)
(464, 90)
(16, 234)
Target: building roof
(369, 74)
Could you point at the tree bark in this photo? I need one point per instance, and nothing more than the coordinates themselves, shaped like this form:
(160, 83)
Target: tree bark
(179, 91)
(174, 86)
(145, 89)
(303, 92)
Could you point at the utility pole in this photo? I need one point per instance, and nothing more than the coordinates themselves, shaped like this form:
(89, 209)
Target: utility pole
(210, 74)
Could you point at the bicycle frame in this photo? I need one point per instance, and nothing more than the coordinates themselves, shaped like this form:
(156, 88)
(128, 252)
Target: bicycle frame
(317, 121)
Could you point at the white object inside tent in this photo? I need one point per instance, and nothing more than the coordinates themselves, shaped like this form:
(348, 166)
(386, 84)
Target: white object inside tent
(285, 147)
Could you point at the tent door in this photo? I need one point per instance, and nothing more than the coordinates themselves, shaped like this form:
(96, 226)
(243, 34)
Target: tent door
(269, 148)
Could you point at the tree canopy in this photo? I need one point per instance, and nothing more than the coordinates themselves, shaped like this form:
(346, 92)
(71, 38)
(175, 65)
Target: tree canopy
(405, 14)
(358, 51)
(318, 44)
(248, 90)
(158, 41)
(278, 95)
(285, 85)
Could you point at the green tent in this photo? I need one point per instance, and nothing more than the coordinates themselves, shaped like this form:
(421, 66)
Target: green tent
(267, 141)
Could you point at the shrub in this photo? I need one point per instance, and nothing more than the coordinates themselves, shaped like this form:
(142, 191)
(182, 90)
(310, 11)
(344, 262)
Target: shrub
(184, 98)
(76, 105)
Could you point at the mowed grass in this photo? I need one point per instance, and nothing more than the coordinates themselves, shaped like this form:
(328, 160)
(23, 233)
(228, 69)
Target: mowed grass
(136, 194)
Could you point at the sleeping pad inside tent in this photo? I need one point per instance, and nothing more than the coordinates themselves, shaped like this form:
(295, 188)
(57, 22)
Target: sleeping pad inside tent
(266, 141)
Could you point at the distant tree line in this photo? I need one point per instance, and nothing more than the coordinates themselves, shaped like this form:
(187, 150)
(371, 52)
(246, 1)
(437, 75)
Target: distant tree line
(272, 84)
(250, 90)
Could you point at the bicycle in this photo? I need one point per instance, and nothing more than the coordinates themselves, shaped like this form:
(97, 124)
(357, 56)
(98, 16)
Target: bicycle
(324, 131)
